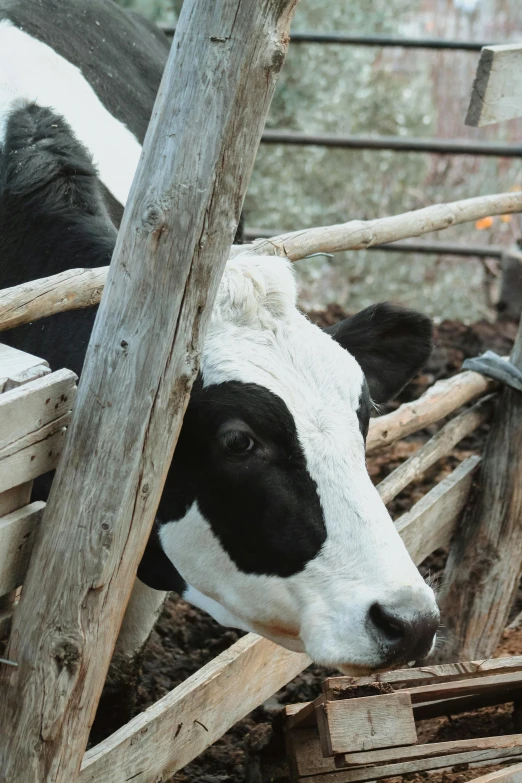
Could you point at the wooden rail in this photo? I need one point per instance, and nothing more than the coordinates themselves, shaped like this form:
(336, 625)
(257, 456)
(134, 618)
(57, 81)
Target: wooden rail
(170, 253)
(78, 288)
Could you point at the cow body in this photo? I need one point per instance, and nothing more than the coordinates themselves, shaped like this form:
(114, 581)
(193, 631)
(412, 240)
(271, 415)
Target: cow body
(268, 518)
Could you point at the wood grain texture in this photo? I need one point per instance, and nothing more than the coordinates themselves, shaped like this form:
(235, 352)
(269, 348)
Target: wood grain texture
(485, 558)
(143, 355)
(360, 234)
(14, 364)
(510, 775)
(82, 287)
(74, 289)
(308, 764)
(426, 675)
(496, 94)
(440, 445)
(431, 750)
(183, 723)
(33, 421)
(431, 522)
(365, 724)
(17, 531)
(439, 401)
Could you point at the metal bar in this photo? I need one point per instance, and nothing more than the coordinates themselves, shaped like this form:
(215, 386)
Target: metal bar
(374, 40)
(426, 248)
(397, 143)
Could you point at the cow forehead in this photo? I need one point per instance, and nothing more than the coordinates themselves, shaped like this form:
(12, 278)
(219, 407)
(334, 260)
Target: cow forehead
(257, 335)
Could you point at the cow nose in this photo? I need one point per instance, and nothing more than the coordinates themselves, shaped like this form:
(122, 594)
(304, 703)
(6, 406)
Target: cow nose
(404, 630)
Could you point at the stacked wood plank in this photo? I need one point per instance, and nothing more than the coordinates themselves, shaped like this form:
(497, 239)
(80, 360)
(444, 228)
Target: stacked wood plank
(346, 736)
(35, 408)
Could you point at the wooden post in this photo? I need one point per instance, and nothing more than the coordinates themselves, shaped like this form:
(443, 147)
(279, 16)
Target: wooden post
(143, 356)
(485, 559)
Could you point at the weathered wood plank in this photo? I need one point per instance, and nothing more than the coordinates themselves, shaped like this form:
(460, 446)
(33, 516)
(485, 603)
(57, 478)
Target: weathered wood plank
(33, 419)
(365, 724)
(15, 363)
(485, 559)
(177, 728)
(143, 356)
(79, 288)
(510, 775)
(16, 542)
(15, 498)
(431, 522)
(25, 410)
(496, 94)
(431, 750)
(439, 401)
(308, 764)
(426, 675)
(440, 445)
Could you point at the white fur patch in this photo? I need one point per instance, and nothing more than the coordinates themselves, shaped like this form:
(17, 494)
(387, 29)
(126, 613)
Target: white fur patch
(258, 336)
(32, 71)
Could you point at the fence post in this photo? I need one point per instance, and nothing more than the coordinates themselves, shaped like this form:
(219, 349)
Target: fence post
(142, 359)
(485, 559)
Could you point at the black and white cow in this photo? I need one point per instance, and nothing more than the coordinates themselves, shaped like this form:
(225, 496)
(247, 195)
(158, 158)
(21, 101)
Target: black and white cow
(268, 519)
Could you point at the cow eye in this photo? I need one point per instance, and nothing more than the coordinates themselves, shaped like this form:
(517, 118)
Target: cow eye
(238, 442)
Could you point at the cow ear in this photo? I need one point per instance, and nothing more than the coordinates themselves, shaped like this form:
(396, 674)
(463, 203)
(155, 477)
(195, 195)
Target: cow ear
(390, 343)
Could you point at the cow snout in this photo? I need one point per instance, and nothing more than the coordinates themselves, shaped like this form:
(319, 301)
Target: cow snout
(404, 627)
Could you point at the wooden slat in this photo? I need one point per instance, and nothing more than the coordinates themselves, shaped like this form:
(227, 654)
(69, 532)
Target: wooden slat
(430, 750)
(426, 675)
(33, 406)
(439, 401)
(14, 498)
(440, 445)
(14, 364)
(177, 728)
(510, 775)
(431, 522)
(367, 723)
(497, 90)
(307, 763)
(32, 427)
(16, 542)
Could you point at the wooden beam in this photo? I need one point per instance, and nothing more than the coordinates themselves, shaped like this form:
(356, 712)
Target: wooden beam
(308, 764)
(497, 89)
(510, 775)
(33, 421)
(431, 522)
(14, 366)
(473, 747)
(366, 723)
(178, 727)
(439, 401)
(440, 445)
(82, 287)
(485, 559)
(16, 542)
(427, 675)
(144, 352)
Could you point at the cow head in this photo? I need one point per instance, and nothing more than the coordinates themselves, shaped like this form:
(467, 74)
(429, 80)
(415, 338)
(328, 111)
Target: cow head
(268, 513)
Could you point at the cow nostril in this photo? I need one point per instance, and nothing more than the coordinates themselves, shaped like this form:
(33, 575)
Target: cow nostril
(389, 625)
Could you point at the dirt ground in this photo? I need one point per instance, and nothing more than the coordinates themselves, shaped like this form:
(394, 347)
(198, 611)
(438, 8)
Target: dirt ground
(185, 638)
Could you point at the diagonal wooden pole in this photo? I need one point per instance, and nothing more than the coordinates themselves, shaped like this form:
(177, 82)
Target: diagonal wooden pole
(142, 359)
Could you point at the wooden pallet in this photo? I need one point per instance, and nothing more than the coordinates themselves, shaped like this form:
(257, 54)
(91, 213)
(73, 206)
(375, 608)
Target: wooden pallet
(35, 409)
(341, 739)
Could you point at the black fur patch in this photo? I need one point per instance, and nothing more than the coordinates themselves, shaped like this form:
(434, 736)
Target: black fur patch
(121, 55)
(390, 343)
(263, 506)
(364, 409)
